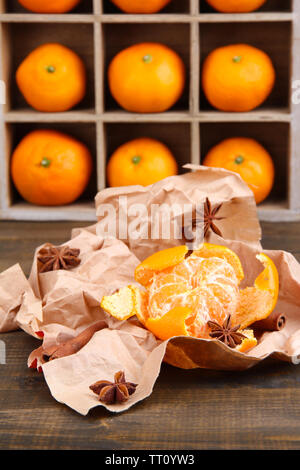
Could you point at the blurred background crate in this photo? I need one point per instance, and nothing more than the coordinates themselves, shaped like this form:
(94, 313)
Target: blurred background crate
(97, 30)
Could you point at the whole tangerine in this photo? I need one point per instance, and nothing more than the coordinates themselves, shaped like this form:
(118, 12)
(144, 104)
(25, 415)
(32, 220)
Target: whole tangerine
(141, 161)
(146, 78)
(136, 6)
(52, 78)
(249, 159)
(50, 168)
(52, 6)
(236, 6)
(237, 78)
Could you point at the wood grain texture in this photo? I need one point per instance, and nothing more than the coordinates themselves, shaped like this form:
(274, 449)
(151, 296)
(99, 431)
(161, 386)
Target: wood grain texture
(199, 409)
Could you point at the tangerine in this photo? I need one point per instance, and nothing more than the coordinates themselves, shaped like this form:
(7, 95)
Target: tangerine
(136, 6)
(50, 168)
(52, 78)
(236, 6)
(184, 293)
(141, 161)
(249, 159)
(237, 78)
(52, 6)
(146, 78)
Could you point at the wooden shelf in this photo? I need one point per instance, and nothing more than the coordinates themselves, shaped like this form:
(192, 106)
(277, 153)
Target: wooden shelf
(84, 212)
(199, 18)
(277, 212)
(169, 116)
(97, 30)
(37, 18)
(258, 115)
(34, 116)
(157, 18)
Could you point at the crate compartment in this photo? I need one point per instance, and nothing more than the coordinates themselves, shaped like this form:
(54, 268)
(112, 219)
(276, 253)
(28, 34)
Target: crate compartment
(175, 136)
(176, 6)
(269, 6)
(119, 36)
(272, 38)
(273, 136)
(13, 6)
(22, 38)
(86, 133)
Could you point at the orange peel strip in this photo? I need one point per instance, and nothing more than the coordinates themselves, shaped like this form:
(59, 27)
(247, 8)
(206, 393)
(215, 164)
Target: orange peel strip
(268, 280)
(258, 302)
(171, 324)
(159, 262)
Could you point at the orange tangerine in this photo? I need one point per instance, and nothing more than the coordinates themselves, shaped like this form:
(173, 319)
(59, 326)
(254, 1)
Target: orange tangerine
(184, 293)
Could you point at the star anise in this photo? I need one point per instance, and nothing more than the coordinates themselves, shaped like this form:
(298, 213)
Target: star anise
(209, 218)
(114, 392)
(53, 258)
(226, 333)
(206, 220)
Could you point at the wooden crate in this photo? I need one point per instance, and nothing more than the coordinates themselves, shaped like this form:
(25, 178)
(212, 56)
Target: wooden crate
(96, 30)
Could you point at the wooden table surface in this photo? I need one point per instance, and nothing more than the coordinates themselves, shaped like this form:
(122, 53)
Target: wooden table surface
(199, 409)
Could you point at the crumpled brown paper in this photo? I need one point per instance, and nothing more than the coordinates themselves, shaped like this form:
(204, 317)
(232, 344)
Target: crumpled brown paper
(62, 304)
(238, 211)
(13, 288)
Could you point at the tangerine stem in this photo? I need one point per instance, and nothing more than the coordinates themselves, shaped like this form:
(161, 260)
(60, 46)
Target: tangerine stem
(237, 59)
(50, 69)
(239, 159)
(45, 163)
(147, 58)
(136, 159)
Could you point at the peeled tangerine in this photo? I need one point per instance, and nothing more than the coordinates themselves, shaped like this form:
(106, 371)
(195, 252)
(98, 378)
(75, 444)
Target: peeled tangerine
(182, 293)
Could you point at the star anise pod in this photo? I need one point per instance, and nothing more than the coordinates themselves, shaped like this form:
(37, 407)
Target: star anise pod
(209, 218)
(114, 392)
(226, 333)
(53, 258)
(206, 220)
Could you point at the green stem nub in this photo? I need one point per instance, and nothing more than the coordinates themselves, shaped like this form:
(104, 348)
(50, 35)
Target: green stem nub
(136, 160)
(50, 69)
(147, 58)
(239, 160)
(237, 59)
(45, 163)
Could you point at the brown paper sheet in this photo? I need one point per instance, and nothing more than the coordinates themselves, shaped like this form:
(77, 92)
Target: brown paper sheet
(62, 304)
(238, 210)
(13, 288)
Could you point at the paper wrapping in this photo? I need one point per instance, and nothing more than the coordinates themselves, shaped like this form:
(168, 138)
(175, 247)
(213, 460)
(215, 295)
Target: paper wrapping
(61, 304)
(13, 288)
(238, 212)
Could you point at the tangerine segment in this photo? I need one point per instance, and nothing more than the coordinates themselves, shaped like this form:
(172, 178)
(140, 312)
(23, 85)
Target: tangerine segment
(257, 303)
(207, 286)
(207, 250)
(171, 324)
(210, 302)
(159, 262)
(166, 292)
